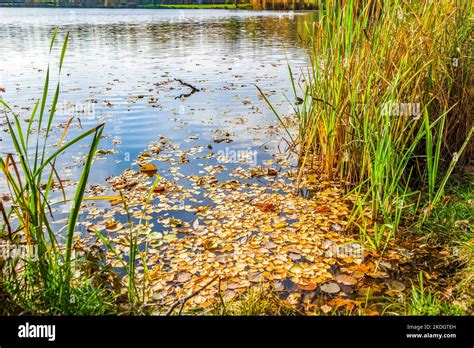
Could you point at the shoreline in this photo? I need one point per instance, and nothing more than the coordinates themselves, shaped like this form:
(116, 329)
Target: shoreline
(243, 7)
(157, 7)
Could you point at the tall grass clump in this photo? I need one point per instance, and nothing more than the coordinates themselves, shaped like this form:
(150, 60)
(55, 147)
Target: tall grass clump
(137, 295)
(43, 280)
(385, 104)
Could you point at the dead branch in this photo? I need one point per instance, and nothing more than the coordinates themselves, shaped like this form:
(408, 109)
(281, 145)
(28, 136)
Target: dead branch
(182, 301)
(193, 89)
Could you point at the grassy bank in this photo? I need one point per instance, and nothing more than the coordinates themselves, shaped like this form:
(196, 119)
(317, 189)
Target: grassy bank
(450, 228)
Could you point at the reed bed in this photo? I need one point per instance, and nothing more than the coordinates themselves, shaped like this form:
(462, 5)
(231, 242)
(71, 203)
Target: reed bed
(385, 105)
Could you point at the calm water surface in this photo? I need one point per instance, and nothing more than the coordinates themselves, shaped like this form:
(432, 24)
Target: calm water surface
(121, 66)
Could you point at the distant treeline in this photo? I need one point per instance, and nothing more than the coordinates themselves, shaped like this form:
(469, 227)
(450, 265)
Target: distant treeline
(255, 4)
(284, 4)
(109, 3)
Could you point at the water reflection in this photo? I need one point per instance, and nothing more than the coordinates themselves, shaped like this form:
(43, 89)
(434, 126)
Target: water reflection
(122, 61)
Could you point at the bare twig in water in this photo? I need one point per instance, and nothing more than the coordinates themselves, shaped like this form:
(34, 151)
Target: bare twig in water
(182, 301)
(224, 309)
(193, 89)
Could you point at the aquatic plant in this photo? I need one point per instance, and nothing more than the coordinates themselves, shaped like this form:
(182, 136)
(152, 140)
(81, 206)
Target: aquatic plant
(44, 274)
(384, 105)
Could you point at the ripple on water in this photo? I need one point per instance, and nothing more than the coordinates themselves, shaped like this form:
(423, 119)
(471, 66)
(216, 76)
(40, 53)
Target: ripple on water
(114, 56)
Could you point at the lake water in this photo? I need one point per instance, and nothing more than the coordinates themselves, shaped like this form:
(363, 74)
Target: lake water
(122, 67)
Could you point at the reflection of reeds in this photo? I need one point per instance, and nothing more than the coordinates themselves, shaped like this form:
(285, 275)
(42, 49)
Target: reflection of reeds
(367, 55)
(25, 172)
(284, 4)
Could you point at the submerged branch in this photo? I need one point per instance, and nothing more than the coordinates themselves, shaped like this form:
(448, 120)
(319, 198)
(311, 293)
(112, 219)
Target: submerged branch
(183, 301)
